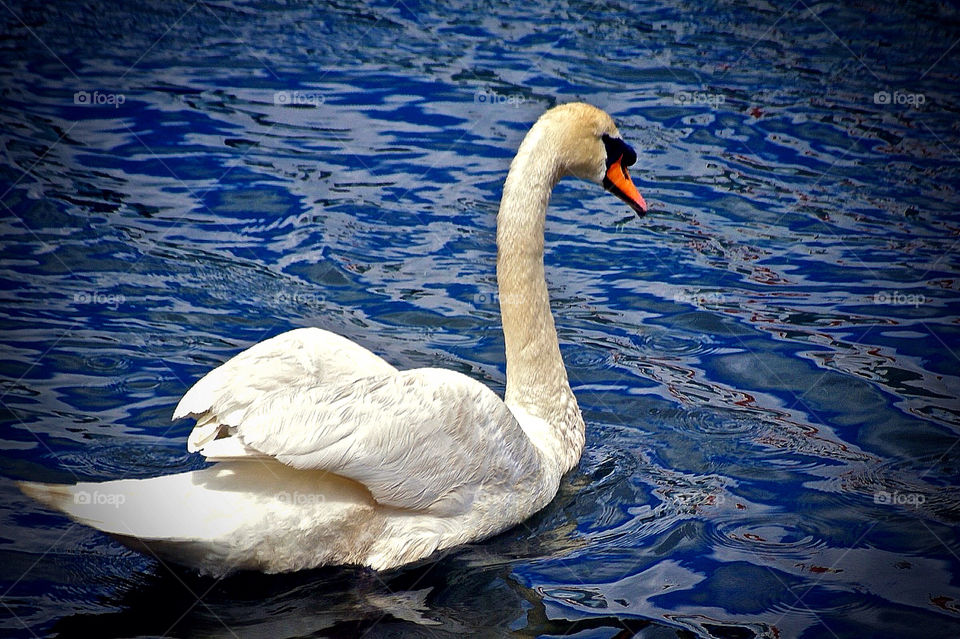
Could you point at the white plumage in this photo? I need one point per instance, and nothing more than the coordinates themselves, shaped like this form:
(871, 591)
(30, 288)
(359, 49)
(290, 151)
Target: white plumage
(327, 454)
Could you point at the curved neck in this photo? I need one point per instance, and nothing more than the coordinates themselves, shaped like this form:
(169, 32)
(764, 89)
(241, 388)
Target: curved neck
(537, 385)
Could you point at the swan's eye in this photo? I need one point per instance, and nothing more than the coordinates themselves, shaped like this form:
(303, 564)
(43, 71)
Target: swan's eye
(617, 149)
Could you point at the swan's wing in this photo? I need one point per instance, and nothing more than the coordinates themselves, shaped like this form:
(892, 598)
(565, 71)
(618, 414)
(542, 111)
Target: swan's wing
(305, 355)
(417, 439)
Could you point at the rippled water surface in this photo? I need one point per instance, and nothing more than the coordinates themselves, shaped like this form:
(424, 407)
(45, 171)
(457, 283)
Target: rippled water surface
(767, 363)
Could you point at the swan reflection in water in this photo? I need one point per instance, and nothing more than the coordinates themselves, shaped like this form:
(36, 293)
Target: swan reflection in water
(466, 592)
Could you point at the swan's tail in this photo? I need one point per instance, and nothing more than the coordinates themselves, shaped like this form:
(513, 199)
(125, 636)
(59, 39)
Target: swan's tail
(169, 517)
(231, 516)
(53, 496)
(102, 507)
(156, 508)
(99, 506)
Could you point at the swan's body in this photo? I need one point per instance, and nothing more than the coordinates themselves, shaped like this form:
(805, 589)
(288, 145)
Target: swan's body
(329, 455)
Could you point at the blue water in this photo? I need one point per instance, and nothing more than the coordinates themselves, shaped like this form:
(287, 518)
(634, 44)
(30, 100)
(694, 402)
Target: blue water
(767, 363)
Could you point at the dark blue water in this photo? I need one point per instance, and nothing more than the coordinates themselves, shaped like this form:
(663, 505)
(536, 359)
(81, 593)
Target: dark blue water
(767, 364)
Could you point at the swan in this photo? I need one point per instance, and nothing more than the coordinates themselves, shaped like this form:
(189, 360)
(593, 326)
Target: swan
(325, 454)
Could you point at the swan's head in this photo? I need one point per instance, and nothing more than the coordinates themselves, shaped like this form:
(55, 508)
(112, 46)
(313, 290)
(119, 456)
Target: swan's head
(590, 148)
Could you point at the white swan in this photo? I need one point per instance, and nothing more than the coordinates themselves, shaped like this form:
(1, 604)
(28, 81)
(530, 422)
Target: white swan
(329, 455)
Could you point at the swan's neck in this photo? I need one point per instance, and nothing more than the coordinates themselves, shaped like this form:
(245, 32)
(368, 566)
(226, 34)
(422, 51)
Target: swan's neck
(537, 385)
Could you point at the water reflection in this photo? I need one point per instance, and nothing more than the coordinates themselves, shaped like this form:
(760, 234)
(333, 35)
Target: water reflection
(465, 594)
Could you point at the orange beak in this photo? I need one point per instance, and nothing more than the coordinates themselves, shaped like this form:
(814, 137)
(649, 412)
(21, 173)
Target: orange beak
(618, 182)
